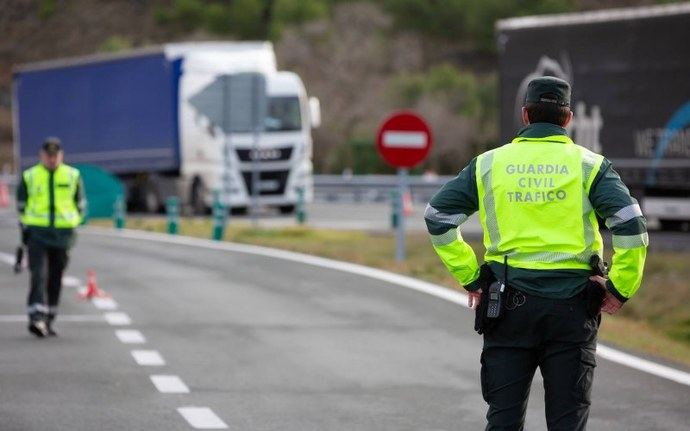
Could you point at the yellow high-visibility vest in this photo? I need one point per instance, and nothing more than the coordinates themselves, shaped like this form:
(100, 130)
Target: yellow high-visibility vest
(533, 197)
(64, 186)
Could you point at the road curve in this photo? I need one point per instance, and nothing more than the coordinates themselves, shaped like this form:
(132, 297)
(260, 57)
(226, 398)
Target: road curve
(268, 344)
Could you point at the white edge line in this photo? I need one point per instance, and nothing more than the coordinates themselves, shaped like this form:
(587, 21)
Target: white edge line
(202, 418)
(456, 297)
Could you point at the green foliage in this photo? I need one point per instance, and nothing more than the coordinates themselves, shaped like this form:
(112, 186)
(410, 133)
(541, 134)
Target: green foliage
(466, 19)
(360, 155)
(185, 14)
(291, 12)
(217, 19)
(245, 19)
(462, 92)
(46, 9)
(115, 43)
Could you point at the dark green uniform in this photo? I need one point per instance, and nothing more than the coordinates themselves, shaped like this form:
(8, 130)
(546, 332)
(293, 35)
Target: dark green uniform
(538, 198)
(47, 251)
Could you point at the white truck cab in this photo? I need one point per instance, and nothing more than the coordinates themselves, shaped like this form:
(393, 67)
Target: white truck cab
(217, 158)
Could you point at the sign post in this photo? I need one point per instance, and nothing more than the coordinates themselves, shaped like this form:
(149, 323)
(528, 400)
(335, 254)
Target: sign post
(404, 140)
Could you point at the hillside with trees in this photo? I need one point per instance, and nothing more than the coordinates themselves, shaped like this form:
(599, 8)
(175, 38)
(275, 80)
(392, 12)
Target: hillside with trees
(361, 58)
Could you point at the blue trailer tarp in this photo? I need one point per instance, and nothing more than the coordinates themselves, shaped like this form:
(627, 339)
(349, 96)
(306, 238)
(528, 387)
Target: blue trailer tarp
(119, 114)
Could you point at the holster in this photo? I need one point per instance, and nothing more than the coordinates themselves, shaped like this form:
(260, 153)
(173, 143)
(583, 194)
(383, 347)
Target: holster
(594, 293)
(481, 323)
(595, 297)
(24, 234)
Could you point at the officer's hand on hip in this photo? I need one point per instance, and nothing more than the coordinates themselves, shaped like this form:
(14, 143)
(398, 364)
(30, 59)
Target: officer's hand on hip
(474, 298)
(610, 304)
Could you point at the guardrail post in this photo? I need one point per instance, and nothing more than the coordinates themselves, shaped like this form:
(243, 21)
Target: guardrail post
(119, 212)
(172, 208)
(301, 212)
(395, 208)
(219, 217)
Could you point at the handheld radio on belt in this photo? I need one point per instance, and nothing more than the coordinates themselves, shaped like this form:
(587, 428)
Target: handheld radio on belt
(496, 296)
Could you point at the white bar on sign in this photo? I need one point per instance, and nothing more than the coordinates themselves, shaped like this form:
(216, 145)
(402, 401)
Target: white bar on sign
(117, 319)
(105, 303)
(169, 384)
(130, 336)
(401, 139)
(150, 358)
(202, 418)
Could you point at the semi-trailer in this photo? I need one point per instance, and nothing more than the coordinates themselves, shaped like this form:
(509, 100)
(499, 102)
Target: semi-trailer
(631, 92)
(166, 121)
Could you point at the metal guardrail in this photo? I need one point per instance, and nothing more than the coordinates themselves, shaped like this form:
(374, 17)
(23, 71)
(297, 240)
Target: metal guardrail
(9, 179)
(354, 188)
(373, 188)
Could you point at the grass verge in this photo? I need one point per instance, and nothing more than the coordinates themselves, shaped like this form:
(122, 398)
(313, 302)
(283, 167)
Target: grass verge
(656, 321)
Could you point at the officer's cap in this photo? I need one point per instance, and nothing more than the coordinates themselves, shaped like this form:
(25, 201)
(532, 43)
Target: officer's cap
(548, 89)
(52, 145)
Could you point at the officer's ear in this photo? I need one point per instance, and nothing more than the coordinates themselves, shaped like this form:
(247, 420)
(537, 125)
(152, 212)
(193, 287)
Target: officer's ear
(525, 116)
(568, 119)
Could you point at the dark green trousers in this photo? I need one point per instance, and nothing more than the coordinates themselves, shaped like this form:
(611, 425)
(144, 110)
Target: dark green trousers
(47, 265)
(558, 337)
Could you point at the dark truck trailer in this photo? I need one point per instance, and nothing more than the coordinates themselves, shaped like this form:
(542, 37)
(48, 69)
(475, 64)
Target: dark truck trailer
(631, 92)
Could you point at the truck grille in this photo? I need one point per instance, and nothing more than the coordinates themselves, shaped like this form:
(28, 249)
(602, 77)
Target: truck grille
(270, 182)
(265, 154)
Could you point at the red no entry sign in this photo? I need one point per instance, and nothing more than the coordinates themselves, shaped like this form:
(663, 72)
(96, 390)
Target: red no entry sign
(404, 139)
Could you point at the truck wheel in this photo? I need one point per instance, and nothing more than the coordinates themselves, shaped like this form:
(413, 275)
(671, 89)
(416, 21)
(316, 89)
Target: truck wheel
(675, 225)
(197, 198)
(239, 211)
(152, 204)
(286, 209)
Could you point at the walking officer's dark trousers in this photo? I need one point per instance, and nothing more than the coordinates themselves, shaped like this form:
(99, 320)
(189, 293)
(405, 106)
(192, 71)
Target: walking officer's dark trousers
(558, 337)
(47, 265)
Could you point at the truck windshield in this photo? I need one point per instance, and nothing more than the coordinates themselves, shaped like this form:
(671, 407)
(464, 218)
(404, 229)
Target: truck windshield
(283, 114)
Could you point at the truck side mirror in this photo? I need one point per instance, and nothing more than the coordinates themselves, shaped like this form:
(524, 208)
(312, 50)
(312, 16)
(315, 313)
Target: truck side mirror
(314, 112)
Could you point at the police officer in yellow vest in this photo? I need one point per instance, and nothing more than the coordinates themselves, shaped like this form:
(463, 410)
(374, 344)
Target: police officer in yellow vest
(537, 298)
(50, 205)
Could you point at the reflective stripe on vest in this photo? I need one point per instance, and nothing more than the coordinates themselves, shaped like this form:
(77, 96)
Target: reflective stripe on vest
(528, 193)
(37, 210)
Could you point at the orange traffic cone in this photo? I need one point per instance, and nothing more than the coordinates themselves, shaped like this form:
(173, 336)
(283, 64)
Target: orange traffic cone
(407, 204)
(92, 290)
(4, 195)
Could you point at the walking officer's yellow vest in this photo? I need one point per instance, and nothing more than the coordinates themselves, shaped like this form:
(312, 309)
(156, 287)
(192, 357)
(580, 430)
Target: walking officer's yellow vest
(37, 210)
(534, 205)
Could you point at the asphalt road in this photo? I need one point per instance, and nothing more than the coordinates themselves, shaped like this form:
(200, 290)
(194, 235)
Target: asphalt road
(266, 344)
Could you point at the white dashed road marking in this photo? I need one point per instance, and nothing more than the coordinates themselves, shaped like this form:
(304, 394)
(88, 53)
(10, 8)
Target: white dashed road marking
(70, 281)
(169, 384)
(148, 358)
(118, 319)
(202, 418)
(7, 258)
(130, 336)
(105, 303)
